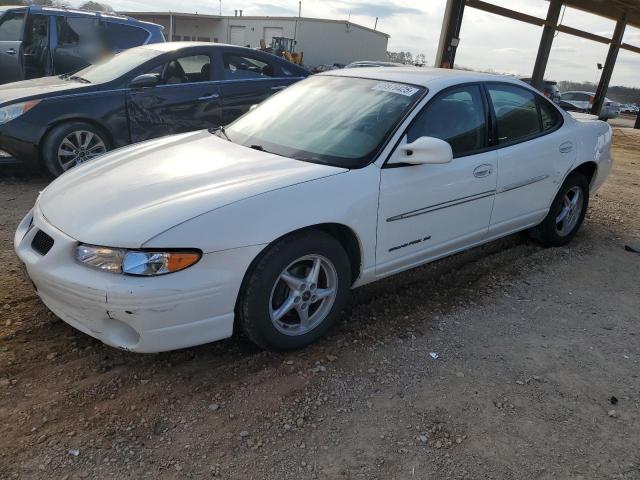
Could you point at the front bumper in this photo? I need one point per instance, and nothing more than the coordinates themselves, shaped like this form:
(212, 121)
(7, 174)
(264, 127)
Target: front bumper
(21, 140)
(139, 314)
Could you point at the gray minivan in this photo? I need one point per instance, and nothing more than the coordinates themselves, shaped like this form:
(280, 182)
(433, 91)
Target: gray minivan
(38, 41)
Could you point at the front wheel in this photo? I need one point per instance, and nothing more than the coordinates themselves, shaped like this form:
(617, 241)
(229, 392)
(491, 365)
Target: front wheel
(295, 291)
(71, 144)
(566, 213)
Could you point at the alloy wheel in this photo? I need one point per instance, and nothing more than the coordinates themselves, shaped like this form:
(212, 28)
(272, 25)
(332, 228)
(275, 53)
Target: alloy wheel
(303, 295)
(570, 211)
(79, 147)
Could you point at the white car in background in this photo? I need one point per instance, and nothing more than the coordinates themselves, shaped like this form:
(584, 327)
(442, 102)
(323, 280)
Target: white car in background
(339, 180)
(583, 101)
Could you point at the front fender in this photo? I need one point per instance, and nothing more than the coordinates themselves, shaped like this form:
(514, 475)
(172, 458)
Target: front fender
(349, 198)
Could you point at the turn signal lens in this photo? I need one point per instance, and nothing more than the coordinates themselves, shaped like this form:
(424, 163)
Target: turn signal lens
(157, 263)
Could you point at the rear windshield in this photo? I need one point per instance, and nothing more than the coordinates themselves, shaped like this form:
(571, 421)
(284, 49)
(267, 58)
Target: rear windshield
(116, 66)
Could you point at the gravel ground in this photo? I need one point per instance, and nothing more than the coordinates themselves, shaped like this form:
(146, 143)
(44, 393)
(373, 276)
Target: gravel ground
(536, 375)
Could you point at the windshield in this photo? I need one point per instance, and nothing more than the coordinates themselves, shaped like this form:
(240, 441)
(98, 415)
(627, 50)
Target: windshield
(115, 66)
(339, 121)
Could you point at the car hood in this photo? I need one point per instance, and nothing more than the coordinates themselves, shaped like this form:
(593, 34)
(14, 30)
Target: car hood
(132, 194)
(47, 87)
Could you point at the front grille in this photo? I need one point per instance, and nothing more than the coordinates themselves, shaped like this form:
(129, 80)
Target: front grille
(42, 242)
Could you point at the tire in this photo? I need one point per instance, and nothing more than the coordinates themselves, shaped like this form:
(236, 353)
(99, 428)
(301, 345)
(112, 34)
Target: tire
(58, 154)
(564, 219)
(264, 293)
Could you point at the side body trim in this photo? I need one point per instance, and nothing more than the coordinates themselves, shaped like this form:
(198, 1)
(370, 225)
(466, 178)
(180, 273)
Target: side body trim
(522, 183)
(440, 206)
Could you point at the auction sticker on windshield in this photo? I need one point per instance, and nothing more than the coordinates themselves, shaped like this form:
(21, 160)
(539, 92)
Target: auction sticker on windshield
(391, 87)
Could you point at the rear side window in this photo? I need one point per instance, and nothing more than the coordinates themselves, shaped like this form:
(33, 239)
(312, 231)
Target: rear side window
(516, 112)
(11, 26)
(289, 73)
(456, 116)
(76, 30)
(549, 115)
(238, 67)
(187, 69)
(121, 37)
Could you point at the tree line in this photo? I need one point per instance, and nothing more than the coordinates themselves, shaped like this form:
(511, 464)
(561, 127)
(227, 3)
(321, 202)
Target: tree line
(407, 58)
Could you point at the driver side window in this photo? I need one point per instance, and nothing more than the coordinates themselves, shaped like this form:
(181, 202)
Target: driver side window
(456, 116)
(187, 69)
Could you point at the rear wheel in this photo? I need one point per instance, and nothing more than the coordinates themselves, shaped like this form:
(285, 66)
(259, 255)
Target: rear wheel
(566, 213)
(295, 292)
(71, 144)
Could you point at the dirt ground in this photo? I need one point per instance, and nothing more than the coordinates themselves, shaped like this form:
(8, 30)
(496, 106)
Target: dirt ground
(536, 375)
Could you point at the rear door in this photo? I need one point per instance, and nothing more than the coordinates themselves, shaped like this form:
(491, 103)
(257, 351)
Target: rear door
(534, 153)
(247, 79)
(186, 98)
(11, 32)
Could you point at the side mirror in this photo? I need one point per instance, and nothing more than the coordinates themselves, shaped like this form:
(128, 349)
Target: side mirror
(147, 80)
(425, 150)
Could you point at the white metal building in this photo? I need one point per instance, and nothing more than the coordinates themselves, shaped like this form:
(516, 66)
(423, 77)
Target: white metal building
(322, 41)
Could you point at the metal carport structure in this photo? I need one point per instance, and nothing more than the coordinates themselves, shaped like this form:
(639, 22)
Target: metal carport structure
(623, 12)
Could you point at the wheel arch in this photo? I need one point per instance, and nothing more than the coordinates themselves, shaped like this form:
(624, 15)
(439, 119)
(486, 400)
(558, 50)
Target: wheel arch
(61, 121)
(345, 235)
(589, 169)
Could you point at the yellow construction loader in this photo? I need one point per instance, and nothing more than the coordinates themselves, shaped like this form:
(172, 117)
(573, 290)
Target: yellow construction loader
(283, 47)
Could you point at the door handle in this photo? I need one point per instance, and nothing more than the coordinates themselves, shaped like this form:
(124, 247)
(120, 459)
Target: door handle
(211, 96)
(566, 147)
(11, 51)
(279, 87)
(482, 171)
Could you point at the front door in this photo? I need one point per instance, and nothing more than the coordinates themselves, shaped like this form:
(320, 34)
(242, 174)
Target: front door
(185, 99)
(427, 211)
(11, 31)
(533, 155)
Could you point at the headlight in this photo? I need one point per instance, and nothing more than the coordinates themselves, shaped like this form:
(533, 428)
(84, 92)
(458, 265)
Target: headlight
(136, 262)
(10, 112)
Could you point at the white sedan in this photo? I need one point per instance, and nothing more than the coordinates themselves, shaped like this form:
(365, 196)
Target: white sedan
(340, 180)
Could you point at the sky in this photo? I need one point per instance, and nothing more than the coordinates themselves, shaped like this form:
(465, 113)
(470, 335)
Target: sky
(487, 41)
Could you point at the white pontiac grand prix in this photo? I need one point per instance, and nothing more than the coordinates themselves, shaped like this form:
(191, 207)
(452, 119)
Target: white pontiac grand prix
(342, 179)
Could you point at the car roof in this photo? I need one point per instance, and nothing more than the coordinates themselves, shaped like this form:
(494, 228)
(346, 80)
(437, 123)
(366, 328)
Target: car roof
(171, 46)
(422, 76)
(110, 16)
(375, 62)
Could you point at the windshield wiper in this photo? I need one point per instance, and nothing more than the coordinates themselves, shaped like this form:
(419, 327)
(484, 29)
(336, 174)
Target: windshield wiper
(221, 130)
(258, 147)
(79, 79)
